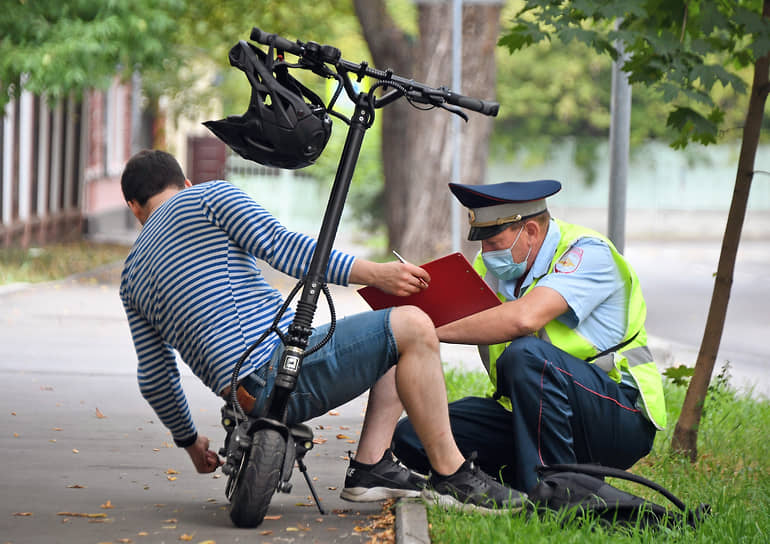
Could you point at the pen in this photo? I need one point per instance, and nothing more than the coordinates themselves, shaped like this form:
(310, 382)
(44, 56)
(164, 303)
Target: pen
(400, 258)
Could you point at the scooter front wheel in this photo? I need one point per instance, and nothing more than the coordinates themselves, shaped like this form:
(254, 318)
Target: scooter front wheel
(258, 479)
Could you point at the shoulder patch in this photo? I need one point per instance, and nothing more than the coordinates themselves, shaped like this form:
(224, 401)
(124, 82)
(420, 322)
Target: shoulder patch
(569, 262)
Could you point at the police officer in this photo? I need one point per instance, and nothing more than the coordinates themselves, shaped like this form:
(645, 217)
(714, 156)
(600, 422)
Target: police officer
(566, 352)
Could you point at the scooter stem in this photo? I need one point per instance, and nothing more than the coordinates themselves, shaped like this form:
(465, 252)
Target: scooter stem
(301, 327)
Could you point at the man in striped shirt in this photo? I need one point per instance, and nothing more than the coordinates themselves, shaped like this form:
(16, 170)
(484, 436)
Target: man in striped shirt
(192, 284)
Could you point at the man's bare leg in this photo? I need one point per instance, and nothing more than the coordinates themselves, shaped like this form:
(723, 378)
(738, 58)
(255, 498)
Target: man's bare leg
(416, 384)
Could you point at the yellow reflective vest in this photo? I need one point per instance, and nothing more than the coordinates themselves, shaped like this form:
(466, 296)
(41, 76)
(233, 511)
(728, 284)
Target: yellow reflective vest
(631, 356)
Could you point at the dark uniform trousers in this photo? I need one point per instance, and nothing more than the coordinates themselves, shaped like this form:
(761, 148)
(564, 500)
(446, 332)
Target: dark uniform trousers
(564, 410)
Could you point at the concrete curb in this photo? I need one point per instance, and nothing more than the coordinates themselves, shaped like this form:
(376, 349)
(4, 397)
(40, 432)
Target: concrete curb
(411, 522)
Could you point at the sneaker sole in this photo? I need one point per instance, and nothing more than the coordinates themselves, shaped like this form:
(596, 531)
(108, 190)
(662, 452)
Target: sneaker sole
(449, 502)
(373, 494)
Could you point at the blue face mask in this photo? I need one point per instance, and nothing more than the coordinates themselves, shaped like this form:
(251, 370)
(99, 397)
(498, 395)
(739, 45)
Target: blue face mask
(500, 262)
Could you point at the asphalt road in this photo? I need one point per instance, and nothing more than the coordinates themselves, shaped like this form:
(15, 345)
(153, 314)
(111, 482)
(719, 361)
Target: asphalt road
(678, 280)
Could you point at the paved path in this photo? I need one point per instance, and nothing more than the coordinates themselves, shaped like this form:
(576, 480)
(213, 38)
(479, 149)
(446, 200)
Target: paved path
(77, 437)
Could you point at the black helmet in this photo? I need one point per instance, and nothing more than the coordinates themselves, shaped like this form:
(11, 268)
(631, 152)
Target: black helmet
(286, 125)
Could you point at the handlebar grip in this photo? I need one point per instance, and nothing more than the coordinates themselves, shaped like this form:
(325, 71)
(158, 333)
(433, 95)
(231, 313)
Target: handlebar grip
(276, 41)
(485, 107)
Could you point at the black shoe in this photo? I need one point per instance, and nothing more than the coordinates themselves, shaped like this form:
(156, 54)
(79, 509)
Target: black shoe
(386, 479)
(472, 489)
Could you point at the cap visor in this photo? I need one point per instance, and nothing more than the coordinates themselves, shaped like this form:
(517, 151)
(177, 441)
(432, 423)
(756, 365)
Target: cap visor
(476, 234)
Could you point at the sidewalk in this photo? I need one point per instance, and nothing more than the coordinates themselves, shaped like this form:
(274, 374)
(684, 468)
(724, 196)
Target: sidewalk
(87, 460)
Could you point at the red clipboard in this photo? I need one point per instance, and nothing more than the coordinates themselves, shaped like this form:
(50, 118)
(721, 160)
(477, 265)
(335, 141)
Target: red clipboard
(455, 291)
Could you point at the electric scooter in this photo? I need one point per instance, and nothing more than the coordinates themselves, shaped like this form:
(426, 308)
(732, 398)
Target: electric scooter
(260, 452)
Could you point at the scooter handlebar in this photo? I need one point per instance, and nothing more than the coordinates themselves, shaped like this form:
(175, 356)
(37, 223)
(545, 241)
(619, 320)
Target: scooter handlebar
(300, 49)
(279, 42)
(485, 107)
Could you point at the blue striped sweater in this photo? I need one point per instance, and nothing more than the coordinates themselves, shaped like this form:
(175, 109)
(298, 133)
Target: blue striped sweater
(192, 283)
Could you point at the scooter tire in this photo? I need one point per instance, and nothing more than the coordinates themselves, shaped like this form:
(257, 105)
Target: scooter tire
(258, 479)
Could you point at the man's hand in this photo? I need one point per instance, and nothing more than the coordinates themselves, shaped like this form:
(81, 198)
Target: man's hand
(395, 278)
(204, 459)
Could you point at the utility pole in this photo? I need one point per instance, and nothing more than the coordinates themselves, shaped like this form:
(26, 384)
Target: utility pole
(620, 129)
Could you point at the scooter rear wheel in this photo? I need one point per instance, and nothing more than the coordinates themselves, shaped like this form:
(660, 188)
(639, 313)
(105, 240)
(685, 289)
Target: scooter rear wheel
(258, 479)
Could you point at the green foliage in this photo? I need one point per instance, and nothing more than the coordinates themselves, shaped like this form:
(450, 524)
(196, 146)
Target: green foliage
(54, 48)
(682, 50)
(56, 261)
(207, 29)
(679, 375)
(461, 383)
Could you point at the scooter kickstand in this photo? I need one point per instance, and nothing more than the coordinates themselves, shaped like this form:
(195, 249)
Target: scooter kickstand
(303, 470)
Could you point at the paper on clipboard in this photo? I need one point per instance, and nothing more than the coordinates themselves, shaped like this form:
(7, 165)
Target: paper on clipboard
(455, 291)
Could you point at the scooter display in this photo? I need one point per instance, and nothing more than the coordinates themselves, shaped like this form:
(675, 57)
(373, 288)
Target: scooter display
(261, 451)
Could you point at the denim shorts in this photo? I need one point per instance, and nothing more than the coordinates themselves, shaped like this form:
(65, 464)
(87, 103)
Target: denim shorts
(361, 349)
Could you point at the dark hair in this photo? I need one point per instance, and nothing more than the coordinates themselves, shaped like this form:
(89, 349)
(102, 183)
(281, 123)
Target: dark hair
(148, 173)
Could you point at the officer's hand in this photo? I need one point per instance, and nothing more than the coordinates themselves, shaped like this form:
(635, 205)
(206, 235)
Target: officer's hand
(204, 459)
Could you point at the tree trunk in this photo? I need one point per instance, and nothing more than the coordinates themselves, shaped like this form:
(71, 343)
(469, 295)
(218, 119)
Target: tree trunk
(390, 48)
(417, 145)
(685, 439)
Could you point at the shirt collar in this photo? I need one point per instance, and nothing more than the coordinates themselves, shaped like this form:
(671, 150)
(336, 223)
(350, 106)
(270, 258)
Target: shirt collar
(544, 256)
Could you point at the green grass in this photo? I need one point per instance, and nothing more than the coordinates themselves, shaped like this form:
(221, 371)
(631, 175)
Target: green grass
(56, 261)
(731, 474)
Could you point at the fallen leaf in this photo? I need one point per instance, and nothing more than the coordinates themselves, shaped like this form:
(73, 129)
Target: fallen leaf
(273, 517)
(75, 450)
(265, 533)
(155, 449)
(13, 413)
(360, 529)
(171, 478)
(343, 437)
(207, 542)
(52, 440)
(56, 429)
(99, 414)
(216, 476)
(124, 540)
(16, 435)
(333, 413)
(22, 514)
(344, 428)
(107, 505)
(319, 440)
(81, 515)
(185, 537)
(292, 529)
(170, 520)
(351, 441)
(142, 533)
(76, 486)
(172, 471)
(332, 488)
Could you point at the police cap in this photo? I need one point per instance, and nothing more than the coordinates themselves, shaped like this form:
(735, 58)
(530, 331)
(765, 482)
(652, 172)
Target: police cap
(492, 208)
